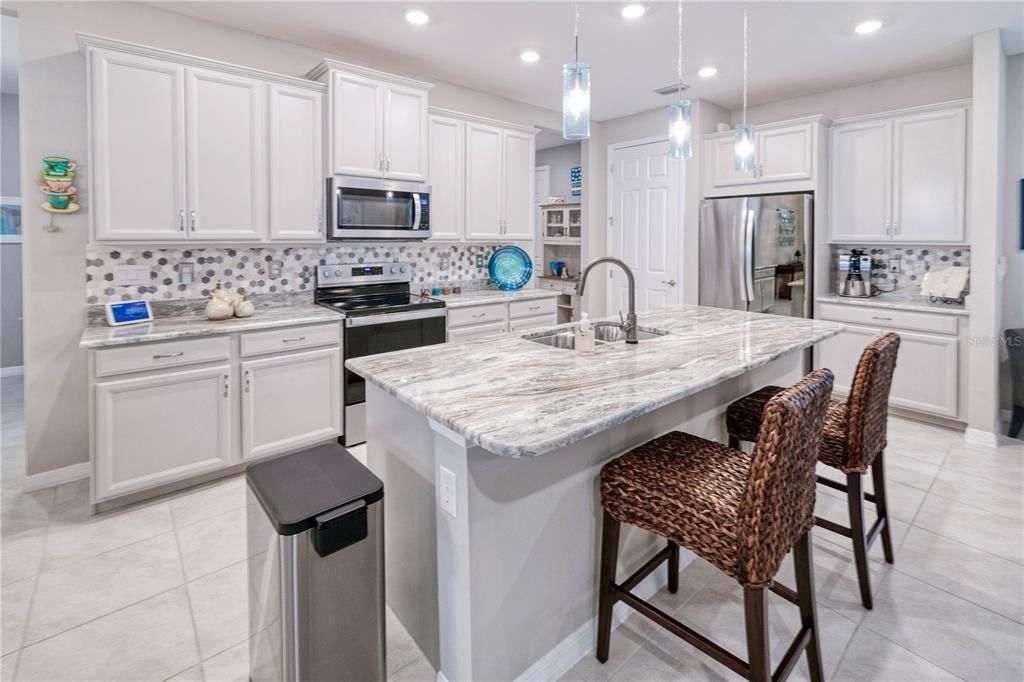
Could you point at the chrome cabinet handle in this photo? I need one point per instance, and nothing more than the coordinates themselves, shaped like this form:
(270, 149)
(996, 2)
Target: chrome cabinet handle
(885, 319)
(294, 340)
(162, 356)
(670, 282)
(480, 315)
(387, 165)
(193, 216)
(181, 219)
(248, 380)
(896, 227)
(380, 162)
(226, 385)
(534, 307)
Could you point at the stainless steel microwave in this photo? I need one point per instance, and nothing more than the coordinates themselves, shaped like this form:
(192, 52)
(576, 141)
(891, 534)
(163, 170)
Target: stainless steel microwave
(368, 208)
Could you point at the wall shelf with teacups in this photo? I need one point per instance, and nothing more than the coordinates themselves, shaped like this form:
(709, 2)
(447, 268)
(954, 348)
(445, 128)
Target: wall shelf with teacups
(56, 181)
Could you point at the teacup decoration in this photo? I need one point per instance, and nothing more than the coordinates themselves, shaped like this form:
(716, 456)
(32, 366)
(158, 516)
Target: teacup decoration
(58, 165)
(57, 183)
(59, 200)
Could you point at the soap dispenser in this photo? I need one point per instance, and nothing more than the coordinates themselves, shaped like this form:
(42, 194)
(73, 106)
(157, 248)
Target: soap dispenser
(585, 335)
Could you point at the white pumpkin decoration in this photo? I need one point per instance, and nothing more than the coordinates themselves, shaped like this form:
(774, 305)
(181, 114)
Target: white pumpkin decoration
(243, 306)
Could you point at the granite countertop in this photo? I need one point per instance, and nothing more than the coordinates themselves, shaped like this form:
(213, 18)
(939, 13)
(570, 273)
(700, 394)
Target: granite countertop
(897, 302)
(187, 326)
(483, 296)
(516, 398)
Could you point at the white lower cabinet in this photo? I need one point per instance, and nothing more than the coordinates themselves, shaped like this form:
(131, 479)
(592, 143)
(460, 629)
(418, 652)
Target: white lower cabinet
(156, 429)
(506, 316)
(289, 401)
(475, 330)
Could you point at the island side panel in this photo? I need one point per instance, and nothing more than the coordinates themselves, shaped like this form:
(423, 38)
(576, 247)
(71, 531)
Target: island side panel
(400, 451)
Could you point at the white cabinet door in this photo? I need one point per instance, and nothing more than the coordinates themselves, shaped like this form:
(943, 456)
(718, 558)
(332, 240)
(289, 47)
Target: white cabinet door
(357, 105)
(476, 330)
(785, 154)
(860, 181)
(227, 135)
(721, 164)
(405, 133)
(447, 178)
(517, 186)
(926, 376)
(138, 147)
(161, 428)
(296, 164)
(483, 182)
(841, 353)
(289, 401)
(929, 176)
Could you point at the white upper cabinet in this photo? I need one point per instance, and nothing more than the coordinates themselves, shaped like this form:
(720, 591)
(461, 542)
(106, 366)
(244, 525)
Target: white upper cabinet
(357, 125)
(179, 149)
(900, 178)
(786, 160)
(296, 164)
(378, 122)
(518, 204)
(226, 156)
(929, 176)
(861, 181)
(138, 147)
(447, 178)
(483, 182)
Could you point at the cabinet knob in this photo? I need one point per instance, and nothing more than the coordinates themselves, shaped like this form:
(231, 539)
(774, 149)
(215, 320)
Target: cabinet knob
(181, 219)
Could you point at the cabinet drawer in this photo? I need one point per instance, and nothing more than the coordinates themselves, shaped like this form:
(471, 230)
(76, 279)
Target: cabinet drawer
(532, 308)
(294, 338)
(476, 330)
(889, 319)
(548, 319)
(494, 312)
(159, 355)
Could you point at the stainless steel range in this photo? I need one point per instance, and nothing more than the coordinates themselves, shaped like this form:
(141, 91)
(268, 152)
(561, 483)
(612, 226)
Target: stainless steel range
(381, 315)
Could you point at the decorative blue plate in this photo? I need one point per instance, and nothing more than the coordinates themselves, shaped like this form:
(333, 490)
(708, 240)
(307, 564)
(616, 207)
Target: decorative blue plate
(510, 268)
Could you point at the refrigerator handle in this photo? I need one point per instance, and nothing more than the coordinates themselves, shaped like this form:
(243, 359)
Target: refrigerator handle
(748, 248)
(809, 248)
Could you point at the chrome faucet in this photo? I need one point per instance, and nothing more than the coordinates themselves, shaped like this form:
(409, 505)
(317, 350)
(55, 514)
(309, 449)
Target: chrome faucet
(629, 324)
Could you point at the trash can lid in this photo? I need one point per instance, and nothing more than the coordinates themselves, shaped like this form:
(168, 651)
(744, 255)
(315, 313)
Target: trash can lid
(294, 489)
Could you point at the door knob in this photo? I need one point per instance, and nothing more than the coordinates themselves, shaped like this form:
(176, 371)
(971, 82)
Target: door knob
(670, 282)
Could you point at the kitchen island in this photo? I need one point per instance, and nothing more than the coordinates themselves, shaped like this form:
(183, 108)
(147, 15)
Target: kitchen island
(490, 450)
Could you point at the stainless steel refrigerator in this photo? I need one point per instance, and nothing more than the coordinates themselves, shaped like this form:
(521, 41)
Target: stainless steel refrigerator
(755, 253)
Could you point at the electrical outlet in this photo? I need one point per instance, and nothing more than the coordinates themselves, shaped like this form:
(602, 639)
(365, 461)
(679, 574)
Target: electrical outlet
(274, 269)
(479, 260)
(131, 275)
(186, 272)
(447, 491)
(894, 266)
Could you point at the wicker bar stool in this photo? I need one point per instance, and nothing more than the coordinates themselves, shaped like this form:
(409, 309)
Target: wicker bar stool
(853, 441)
(740, 512)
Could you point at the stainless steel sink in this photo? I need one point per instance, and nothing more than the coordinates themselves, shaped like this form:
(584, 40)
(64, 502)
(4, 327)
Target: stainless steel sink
(604, 334)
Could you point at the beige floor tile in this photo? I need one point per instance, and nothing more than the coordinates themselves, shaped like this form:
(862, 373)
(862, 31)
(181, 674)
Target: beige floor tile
(967, 640)
(401, 647)
(17, 599)
(220, 609)
(972, 526)
(417, 671)
(998, 495)
(904, 501)
(26, 512)
(70, 541)
(907, 471)
(229, 666)
(7, 665)
(193, 674)
(149, 640)
(21, 556)
(213, 544)
(996, 464)
(978, 577)
(94, 586)
(209, 501)
(873, 658)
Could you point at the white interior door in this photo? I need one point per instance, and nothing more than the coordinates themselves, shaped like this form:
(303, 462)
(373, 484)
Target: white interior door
(541, 192)
(646, 191)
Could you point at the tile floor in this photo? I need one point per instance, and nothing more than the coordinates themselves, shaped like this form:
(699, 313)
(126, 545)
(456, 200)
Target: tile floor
(157, 591)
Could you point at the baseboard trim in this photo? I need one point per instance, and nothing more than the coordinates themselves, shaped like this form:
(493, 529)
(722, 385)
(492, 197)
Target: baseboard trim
(567, 653)
(981, 437)
(12, 371)
(48, 479)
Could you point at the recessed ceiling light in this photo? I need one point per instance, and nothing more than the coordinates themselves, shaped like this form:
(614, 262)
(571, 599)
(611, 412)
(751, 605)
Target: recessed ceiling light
(707, 72)
(529, 56)
(634, 11)
(869, 26)
(417, 17)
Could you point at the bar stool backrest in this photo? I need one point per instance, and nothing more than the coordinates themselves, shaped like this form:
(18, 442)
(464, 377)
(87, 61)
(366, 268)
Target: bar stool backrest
(868, 402)
(778, 504)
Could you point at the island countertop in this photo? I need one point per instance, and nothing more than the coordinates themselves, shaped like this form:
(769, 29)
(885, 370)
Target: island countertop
(516, 398)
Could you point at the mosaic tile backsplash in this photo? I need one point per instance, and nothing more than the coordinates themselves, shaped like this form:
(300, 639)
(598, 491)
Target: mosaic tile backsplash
(250, 268)
(907, 281)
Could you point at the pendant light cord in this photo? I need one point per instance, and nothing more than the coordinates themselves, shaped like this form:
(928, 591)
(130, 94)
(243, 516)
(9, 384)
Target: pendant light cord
(744, 66)
(576, 32)
(680, 65)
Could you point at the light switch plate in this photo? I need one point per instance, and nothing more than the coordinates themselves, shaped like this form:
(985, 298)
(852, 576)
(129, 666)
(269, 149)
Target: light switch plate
(447, 491)
(131, 275)
(186, 272)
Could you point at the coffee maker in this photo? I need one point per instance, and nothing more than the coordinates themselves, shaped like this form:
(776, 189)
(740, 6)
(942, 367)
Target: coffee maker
(854, 274)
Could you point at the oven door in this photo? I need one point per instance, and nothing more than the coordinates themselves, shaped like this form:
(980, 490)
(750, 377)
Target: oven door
(384, 333)
(379, 209)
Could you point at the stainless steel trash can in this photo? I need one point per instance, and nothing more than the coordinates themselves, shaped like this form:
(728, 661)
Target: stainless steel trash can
(316, 568)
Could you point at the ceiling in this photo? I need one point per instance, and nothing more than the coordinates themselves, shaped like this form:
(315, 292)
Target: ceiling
(796, 48)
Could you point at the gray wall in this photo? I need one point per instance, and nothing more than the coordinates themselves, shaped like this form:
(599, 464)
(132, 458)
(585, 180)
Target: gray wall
(54, 121)
(560, 160)
(10, 254)
(10, 185)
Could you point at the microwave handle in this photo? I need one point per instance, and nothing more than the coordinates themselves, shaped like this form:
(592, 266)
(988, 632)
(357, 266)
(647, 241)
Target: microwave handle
(417, 211)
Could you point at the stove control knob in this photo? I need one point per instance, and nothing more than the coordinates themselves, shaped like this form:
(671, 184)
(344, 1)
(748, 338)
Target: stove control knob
(393, 269)
(327, 274)
(403, 269)
(337, 273)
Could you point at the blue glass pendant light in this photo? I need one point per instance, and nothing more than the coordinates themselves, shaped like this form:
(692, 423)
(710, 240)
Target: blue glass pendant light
(746, 150)
(576, 91)
(680, 123)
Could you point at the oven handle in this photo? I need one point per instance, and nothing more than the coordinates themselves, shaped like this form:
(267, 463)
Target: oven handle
(387, 318)
(417, 211)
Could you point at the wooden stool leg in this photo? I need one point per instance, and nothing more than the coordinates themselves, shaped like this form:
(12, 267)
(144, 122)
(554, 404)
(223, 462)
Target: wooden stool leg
(734, 442)
(808, 608)
(673, 567)
(609, 558)
(878, 476)
(755, 606)
(855, 503)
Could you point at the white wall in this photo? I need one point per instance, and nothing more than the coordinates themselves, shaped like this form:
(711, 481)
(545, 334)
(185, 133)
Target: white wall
(1013, 285)
(53, 108)
(10, 253)
(927, 87)
(560, 160)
